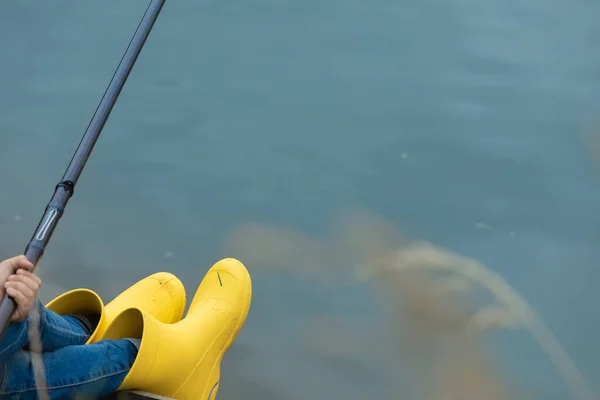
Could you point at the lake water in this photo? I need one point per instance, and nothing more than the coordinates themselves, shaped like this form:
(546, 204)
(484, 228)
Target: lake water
(462, 123)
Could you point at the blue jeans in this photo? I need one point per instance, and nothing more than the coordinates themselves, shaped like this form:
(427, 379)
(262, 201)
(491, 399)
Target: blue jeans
(72, 369)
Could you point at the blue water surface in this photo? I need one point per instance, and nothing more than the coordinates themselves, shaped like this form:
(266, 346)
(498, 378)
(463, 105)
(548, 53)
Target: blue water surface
(442, 117)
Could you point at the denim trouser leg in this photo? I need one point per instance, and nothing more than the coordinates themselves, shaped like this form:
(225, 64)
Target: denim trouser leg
(82, 371)
(56, 332)
(70, 366)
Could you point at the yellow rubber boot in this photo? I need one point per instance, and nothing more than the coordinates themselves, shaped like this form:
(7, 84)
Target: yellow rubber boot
(183, 360)
(161, 295)
(80, 302)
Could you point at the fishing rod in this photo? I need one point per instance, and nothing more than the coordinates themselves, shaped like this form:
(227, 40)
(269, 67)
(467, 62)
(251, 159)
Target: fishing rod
(65, 188)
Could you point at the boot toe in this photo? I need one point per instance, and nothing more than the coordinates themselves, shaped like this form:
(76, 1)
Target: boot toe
(162, 295)
(228, 281)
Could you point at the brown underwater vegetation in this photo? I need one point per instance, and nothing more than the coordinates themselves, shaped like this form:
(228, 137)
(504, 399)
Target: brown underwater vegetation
(424, 291)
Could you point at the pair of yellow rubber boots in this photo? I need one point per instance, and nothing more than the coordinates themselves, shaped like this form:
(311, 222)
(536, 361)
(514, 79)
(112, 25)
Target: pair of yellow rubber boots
(177, 358)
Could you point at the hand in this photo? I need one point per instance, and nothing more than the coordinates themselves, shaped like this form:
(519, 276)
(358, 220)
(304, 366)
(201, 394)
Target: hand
(20, 284)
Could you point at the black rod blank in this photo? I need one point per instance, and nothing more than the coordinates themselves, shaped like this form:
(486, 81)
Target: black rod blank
(64, 190)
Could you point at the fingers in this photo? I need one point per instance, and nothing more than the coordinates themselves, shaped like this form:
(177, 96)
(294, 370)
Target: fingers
(26, 278)
(23, 288)
(20, 293)
(19, 262)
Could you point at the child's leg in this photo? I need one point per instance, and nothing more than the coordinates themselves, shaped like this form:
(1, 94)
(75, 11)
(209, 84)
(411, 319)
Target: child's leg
(59, 331)
(56, 331)
(14, 339)
(84, 371)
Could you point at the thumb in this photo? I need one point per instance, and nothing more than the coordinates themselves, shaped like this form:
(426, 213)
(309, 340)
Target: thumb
(19, 262)
(17, 317)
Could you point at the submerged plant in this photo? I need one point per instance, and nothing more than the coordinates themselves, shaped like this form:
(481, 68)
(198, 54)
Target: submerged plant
(513, 311)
